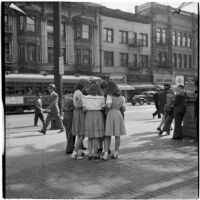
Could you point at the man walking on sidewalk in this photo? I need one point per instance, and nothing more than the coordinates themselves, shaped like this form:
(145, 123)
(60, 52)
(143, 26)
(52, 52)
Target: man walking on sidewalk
(53, 110)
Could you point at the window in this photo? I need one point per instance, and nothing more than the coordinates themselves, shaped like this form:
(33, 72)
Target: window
(135, 60)
(108, 35)
(164, 59)
(82, 31)
(184, 40)
(174, 61)
(174, 41)
(64, 54)
(158, 35)
(8, 55)
(190, 61)
(83, 56)
(27, 24)
(50, 55)
(164, 35)
(21, 52)
(123, 37)
(78, 56)
(144, 61)
(30, 24)
(22, 23)
(86, 56)
(159, 57)
(185, 61)
(179, 39)
(108, 58)
(6, 19)
(85, 32)
(179, 60)
(144, 39)
(50, 29)
(31, 52)
(63, 30)
(189, 40)
(123, 59)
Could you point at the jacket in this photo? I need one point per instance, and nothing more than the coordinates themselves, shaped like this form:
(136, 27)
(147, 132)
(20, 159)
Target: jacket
(53, 106)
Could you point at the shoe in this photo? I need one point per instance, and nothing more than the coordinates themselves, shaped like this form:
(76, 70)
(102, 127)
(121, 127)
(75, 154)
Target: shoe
(69, 152)
(96, 157)
(44, 132)
(105, 157)
(74, 155)
(90, 157)
(159, 117)
(153, 116)
(100, 150)
(114, 155)
(177, 138)
(168, 133)
(158, 129)
(84, 148)
(35, 125)
(80, 153)
(160, 133)
(79, 157)
(61, 131)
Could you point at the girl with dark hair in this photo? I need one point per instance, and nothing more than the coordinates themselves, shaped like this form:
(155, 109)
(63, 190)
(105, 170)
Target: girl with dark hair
(94, 123)
(114, 122)
(78, 121)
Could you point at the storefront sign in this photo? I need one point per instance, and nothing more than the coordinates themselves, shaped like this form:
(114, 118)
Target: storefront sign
(117, 78)
(163, 78)
(179, 80)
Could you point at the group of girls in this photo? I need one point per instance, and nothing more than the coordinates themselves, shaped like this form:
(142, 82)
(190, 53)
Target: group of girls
(98, 116)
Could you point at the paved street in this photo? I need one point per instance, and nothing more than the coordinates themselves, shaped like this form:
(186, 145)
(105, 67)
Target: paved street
(149, 166)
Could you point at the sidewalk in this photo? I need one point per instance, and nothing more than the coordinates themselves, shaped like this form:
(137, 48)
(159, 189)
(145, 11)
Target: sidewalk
(149, 166)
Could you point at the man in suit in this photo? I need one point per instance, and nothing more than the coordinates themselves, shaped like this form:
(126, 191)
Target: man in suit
(53, 110)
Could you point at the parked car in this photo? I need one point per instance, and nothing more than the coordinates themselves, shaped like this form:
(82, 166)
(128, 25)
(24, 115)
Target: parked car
(143, 97)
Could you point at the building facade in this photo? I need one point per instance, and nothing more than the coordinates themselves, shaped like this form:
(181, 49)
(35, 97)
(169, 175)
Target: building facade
(150, 47)
(174, 52)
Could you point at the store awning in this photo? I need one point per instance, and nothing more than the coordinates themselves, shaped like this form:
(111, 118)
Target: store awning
(124, 86)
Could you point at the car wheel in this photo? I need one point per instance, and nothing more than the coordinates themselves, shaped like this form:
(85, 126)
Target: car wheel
(141, 102)
(133, 103)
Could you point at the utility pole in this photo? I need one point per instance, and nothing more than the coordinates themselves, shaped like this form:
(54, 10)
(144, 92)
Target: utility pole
(57, 52)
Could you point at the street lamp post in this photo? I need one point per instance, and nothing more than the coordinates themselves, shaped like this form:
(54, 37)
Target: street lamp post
(57, 56)
(57, 51)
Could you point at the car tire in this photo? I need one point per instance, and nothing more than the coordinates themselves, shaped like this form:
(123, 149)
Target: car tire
(141, 102)
(133, 103)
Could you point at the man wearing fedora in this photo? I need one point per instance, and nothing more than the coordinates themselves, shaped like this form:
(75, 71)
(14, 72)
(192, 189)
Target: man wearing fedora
(53, 110)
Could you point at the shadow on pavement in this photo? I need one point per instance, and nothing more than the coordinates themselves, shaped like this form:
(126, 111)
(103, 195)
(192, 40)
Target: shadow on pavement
(148, 166)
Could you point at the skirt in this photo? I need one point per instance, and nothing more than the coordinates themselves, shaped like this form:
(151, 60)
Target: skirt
(78, 123)
(114, 123)
(94, 124)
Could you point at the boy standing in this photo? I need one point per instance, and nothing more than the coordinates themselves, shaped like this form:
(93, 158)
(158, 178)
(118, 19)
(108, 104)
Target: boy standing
(38, 109)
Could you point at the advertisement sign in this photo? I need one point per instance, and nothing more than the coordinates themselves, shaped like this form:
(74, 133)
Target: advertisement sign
(14, 100)
(179, 80)
(163, 78)
(61, 65)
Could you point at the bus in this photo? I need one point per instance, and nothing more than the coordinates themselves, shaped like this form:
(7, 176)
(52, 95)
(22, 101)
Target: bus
(21, 89)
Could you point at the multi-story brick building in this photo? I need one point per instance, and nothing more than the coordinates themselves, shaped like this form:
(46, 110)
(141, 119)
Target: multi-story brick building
(174, 50)
(130, 48)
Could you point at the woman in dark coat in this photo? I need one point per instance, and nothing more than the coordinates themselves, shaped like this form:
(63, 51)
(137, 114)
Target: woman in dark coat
(179, 111)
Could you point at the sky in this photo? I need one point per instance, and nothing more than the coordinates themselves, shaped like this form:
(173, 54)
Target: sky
(129, 5)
